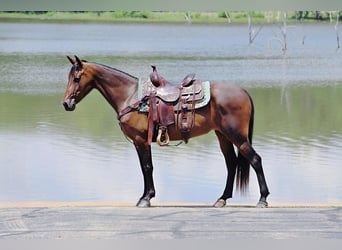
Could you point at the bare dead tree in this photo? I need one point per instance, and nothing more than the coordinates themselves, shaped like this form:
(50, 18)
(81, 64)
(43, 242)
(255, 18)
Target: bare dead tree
(336, 30)
(299, 18)
(303, 38)
(331, 16)
(269, 16)
(187, 16)
(252, 34)
(284, 31)
(278, 16)
(229, 20)
(250, 31)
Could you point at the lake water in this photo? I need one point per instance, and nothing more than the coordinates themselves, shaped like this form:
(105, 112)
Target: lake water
(47, 154)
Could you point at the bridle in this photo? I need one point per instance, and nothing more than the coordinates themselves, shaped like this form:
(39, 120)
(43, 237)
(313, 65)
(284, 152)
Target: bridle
(76, 80)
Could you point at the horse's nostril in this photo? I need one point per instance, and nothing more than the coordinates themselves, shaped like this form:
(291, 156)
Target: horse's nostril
(65, 104)
(69, 105)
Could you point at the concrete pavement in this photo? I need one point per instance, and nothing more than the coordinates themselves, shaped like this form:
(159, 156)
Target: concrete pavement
(163, 221)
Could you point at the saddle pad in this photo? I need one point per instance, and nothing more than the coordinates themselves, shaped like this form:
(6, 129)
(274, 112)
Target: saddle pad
(145, 87)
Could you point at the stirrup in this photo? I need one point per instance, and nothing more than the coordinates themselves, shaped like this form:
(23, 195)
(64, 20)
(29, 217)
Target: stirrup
(163, 138)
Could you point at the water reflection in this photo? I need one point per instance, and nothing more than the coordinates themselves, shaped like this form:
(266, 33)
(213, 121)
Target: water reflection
(51, 155)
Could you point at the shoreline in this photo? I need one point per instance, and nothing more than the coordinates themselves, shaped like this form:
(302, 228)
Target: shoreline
(143, 17)
(51, 204)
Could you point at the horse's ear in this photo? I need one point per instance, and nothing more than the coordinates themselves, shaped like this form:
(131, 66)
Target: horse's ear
(71, 60)
(79, 62)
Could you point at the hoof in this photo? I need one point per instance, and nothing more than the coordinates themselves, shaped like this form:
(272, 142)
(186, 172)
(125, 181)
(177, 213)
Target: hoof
(143, 203)
(262, 204)
(220, 203)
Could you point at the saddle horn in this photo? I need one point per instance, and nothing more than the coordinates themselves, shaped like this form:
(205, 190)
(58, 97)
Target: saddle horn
(154, 68)
(154, 77)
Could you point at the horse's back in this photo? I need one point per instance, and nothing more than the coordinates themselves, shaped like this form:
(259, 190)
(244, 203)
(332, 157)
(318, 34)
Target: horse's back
(231, 107)
(223, 92)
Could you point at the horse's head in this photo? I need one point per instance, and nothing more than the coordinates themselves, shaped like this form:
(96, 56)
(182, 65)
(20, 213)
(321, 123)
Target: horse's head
(79, 84)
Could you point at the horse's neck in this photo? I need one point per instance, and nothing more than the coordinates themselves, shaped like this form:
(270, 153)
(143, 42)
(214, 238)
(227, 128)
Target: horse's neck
(118, 89)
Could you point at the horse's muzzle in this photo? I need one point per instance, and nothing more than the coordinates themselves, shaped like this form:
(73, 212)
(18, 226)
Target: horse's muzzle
(69, 104)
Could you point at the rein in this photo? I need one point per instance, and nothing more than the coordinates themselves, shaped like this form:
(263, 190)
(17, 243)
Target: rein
(125, 111)
(133, 107)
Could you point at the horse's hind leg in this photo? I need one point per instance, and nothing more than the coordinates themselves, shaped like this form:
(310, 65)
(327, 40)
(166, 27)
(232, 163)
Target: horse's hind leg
(249, 153)
(227, 149)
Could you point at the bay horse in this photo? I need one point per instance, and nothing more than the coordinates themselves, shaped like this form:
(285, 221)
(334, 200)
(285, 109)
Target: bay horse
(230, 113)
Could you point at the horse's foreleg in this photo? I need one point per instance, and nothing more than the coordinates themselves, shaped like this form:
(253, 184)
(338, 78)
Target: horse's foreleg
(255, 160)
(227, 149)
(145, 158)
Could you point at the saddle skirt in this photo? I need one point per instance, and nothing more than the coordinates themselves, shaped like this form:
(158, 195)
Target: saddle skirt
(171, 94)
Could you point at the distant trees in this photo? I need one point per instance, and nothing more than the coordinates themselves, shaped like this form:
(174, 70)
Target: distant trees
(192, 17)
(317, 15)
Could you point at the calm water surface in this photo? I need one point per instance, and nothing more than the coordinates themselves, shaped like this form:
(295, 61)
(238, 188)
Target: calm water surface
(47, 154)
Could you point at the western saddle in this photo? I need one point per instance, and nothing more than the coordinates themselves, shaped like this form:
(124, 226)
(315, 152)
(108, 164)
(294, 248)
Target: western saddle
(171, 103)
(168, 103)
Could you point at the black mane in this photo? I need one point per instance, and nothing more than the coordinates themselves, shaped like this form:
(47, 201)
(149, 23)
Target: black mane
(114, 69)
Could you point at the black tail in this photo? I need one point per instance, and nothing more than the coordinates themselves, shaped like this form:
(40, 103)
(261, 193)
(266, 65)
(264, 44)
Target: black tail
(242, 173)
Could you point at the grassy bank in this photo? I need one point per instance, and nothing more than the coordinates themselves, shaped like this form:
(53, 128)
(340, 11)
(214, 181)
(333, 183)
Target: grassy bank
(167, 17)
